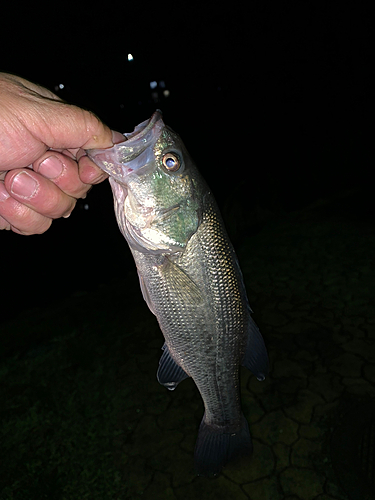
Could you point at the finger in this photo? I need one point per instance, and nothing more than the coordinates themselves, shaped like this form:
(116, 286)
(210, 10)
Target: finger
(18, 217)
(89, 172)
(63, 172)
(38, 193)
(4, 224)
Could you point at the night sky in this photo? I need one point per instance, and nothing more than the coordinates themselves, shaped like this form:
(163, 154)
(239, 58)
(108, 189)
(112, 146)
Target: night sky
(280, 94)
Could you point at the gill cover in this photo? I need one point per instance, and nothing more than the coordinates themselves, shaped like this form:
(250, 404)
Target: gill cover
(152, 179)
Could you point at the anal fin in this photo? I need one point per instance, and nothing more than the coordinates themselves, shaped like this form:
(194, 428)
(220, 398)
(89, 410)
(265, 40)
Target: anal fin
(256, 358)
(169, 374)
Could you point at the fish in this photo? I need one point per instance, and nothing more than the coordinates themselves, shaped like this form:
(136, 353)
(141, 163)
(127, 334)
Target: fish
(190, 279)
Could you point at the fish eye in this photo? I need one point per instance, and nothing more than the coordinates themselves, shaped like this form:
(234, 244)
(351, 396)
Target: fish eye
(171, 162)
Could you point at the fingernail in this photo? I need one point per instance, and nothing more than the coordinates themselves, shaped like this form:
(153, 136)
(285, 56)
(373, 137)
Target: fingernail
(4, 195)
(24, 185)
(117, 137)
(51, 167)
(70, 211)
(100, 178)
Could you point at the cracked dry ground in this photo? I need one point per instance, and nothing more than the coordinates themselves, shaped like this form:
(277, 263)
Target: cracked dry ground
(310, 281)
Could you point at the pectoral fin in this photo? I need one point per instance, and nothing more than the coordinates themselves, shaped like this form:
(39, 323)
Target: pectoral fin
(170, 374)
(180, 283)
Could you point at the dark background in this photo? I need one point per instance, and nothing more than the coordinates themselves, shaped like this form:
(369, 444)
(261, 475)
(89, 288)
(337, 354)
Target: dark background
(273, 101)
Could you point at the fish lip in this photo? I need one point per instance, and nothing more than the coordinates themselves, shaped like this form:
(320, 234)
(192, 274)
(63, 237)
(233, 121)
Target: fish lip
(143, 128)
(134, 152)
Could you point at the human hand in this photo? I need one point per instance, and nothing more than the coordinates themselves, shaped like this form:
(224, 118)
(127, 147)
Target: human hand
(43, 167)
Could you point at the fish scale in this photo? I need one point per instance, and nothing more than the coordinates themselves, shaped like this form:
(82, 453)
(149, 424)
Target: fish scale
(212, 333)
(191, 280)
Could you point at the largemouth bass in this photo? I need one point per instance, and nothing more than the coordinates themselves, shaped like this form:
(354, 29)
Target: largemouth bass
(190, 279)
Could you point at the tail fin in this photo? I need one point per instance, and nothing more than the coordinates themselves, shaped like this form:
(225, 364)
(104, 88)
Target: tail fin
(215, 448)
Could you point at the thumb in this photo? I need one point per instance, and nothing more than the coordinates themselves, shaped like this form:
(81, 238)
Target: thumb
(70, 127)
(45, 117)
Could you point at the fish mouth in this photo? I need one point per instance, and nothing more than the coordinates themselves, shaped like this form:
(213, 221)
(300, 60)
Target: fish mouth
(133, 153)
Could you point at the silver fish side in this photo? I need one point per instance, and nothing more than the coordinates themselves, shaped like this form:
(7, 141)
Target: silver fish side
(191, 280)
